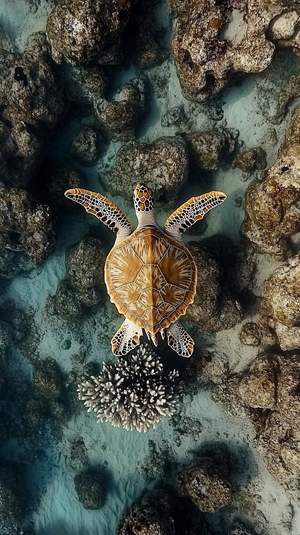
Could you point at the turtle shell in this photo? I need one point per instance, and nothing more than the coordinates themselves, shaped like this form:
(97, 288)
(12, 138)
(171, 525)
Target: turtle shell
(151, 278)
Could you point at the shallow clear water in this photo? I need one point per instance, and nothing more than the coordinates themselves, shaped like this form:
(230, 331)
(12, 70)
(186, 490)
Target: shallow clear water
(50, 478)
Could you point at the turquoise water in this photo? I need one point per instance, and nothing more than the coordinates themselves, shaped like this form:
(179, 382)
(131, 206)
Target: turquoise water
(126, 456)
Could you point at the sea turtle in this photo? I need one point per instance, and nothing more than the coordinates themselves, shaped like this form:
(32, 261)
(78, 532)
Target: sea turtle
(150, 275)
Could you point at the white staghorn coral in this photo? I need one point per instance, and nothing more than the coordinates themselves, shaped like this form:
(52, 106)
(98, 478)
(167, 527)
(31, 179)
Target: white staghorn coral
(133, 392)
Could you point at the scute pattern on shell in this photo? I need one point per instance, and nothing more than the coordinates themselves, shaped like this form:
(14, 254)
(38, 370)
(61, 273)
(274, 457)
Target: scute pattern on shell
(151, 278)
(133, 393)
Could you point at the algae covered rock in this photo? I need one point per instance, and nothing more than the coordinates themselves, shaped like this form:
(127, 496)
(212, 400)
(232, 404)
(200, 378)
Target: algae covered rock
(47, 378)
(163, 512)
(272, 206)
(26, 231)
(163, 164)
(12, 489)
(250, 160)
(20, 154)
(149, 49)
(55, 178)
(207, 148)
(85, 267)
(280, 307)
(206, 486)
(217, 305)
(120, 117)
(269, 389)
(84, 149)
(30, 91)
(88, 31)
(91, 489)
(84, 280)
(204, 60)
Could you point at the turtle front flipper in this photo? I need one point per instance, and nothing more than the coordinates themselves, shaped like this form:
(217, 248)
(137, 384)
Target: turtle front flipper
(104, 209)
(126, 338)
(179, 340)
(191, 211)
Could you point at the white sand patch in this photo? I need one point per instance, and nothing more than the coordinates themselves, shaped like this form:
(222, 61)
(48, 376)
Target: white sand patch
(20, 18)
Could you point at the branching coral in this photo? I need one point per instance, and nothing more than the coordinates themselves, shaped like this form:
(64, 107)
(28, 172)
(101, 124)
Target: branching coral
(133, 393)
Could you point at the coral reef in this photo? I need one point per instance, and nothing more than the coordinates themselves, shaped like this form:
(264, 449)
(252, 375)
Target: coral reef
(204, 60)
(163, 164)
(84, 280)
(280, 306)
(90, 487)
(250, 160)
(88, 32)
(272, 211)
(47, 378)
(30, 91)
(205, 485)
(54, 178)
(133, 392)
(12, 485)
(161, 512)
(207, 148)
(84, 270)
(32, 103)
(149, 39)
(84, 148)
(222, 284)
(26, 232)
(268, 390)
(120, 117)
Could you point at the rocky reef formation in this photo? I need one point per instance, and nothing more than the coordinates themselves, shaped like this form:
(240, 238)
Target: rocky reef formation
(272, 211)
(120, 117)
(88, 31)
(163, 164)
(223, 278)
(26, 232)
(32, 103)
(205, 485)
(12, 483)
(250, 160)
(149, 49)
(85, 147)
(208, 148)
(91, 489)
(205, 60)
(84, 280)
(160, 512)
(133, 393)
(280, 306)
(268, 391)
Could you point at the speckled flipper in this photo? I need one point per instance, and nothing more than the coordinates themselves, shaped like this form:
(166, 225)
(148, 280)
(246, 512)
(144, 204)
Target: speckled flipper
(191, 211)
(104, 209)
(179, 340)
(126, 338)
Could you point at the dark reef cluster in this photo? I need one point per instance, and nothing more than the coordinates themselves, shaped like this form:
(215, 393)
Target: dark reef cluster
(89, 82)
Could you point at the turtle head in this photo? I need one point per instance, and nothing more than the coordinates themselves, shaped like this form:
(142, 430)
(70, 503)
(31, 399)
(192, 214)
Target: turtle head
(143, 204)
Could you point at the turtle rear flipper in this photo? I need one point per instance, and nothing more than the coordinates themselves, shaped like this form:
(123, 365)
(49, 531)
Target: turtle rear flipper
(192, 211)
(179, 340)
(104, 209)
(126, 338)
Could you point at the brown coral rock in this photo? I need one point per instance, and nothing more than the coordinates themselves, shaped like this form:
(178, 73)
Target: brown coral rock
(270, 388)
(272, 211)
(206, 486)
(280, 307)
(87, 31)
(25, 226)
(204, 60)
(214, 308)
(29, 90)
(163, 164)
